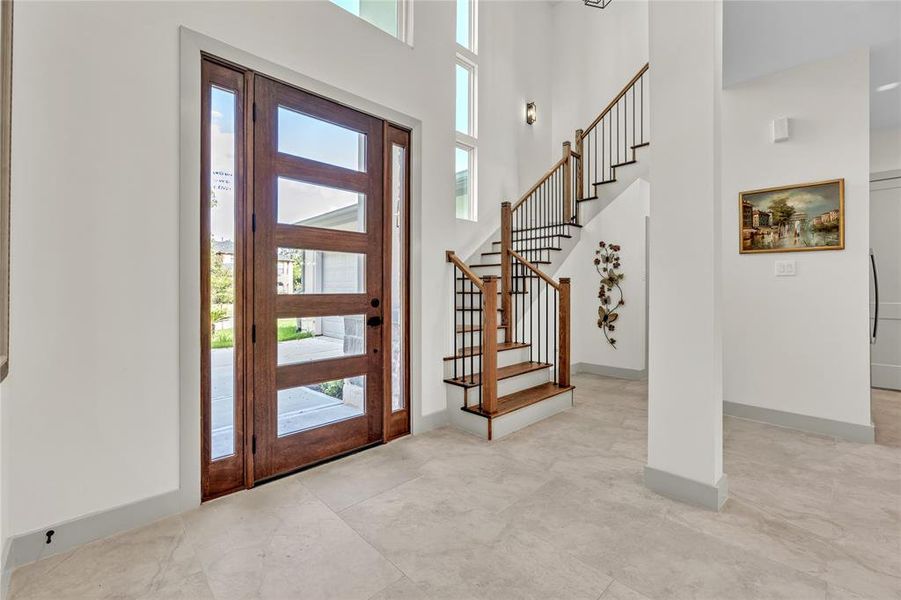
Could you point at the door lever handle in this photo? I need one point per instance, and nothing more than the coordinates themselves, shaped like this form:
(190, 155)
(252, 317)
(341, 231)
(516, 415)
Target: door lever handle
(374, 321)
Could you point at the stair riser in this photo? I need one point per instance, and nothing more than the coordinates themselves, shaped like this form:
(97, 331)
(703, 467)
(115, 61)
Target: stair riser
(530, 255)
(482, 271)
(505, 424)
(507, 385)
(474, 338)
(521, 382)
(504, 359)
(472, 301)
(522, 418)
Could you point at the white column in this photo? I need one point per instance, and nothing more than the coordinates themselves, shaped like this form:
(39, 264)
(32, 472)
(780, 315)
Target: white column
(685, 402)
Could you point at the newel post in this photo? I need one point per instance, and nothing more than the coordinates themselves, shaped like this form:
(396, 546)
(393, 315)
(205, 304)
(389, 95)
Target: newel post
(507, 270)
(567, 183)
(565, 325)
(489, 344)
(580, 192)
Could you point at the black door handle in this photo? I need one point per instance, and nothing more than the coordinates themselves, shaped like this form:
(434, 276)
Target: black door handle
(374, 321)
(876, 299)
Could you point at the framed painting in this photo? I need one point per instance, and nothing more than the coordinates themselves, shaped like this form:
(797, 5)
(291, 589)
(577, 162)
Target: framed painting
(791, 218)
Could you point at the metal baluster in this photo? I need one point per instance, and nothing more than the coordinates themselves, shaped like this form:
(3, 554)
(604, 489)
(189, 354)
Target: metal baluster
(603, 153)
(456, 349)
(633, 120)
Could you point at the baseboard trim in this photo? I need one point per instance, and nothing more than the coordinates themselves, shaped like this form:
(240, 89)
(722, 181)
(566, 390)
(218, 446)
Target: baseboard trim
(33, 546)
(851, 432)
(6, 571)
(712, 497)
(618, 372)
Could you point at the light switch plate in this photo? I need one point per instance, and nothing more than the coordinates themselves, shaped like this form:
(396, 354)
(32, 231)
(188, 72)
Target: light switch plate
(785, 268)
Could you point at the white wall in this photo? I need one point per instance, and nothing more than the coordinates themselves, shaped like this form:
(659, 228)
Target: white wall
(621, 222)
(684, 363)
(799, 344)
(596, 52)
(885, 150)
(514, 64)
(96, 251)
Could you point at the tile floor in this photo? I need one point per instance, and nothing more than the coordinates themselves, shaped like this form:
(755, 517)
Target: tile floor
(557, 510)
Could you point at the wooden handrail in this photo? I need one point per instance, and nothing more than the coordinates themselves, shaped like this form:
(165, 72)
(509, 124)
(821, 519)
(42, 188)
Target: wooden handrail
(535, 269)
(544, 178)
(453, 258)
(616, 99)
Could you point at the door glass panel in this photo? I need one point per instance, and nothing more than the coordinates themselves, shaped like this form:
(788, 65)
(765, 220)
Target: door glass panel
(309, 137)
(306, 339)
(319, 404)
(222, 272)
(320, 272)
(301, 203)
(398, 268)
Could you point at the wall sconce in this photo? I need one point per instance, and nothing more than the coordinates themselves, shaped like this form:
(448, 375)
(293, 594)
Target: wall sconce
(531, 113)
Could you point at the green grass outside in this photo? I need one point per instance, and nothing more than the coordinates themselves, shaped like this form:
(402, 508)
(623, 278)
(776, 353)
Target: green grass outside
(287, 331)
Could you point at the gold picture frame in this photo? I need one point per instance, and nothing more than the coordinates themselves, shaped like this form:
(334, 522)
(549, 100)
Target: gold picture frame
(792, 218)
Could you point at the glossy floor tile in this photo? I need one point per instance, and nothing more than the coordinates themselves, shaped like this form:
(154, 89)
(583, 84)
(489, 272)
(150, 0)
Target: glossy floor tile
(557, 510)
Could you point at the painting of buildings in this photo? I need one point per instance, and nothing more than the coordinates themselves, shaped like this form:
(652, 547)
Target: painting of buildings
(807, 216)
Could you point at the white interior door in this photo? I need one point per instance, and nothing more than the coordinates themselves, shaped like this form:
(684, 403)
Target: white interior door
(885, 240)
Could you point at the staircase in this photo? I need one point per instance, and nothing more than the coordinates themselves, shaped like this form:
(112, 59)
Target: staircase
(510, 365)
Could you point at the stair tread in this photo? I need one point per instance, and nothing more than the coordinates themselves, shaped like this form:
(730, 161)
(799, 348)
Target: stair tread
(623, 164)
(477, 350)
(521, 399)
(470, 328)
(499, 292)
(547, 227)
(502, 373)
(477, 265)
(589, 198)
(641, 145)
(540, 237)
(524, 250)
(606, 181)
(473, 308)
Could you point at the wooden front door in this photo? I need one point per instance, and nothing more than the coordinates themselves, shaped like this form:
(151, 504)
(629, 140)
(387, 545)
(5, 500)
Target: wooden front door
(319, 287)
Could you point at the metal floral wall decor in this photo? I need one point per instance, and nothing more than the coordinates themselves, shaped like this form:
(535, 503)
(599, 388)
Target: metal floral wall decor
(607, 263)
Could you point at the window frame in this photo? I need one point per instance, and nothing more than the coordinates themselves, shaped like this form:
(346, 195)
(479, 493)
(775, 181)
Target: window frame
(467, 58)
(472, 47)
(403, 24)
(473, 194)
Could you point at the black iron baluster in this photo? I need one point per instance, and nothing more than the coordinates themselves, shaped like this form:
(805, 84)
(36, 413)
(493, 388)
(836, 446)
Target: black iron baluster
(603, 153)
(456, 293)
(633, 120)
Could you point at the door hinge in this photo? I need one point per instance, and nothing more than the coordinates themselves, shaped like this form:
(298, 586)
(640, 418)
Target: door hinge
(253, 334)
(253, 444)
(254, 111)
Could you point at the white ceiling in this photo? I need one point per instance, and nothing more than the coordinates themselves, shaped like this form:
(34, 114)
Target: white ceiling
(763, 37)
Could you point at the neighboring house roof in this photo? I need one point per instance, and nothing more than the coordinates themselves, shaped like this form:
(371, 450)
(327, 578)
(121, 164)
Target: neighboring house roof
(228, 247)
(223, 246)
(335, 219)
